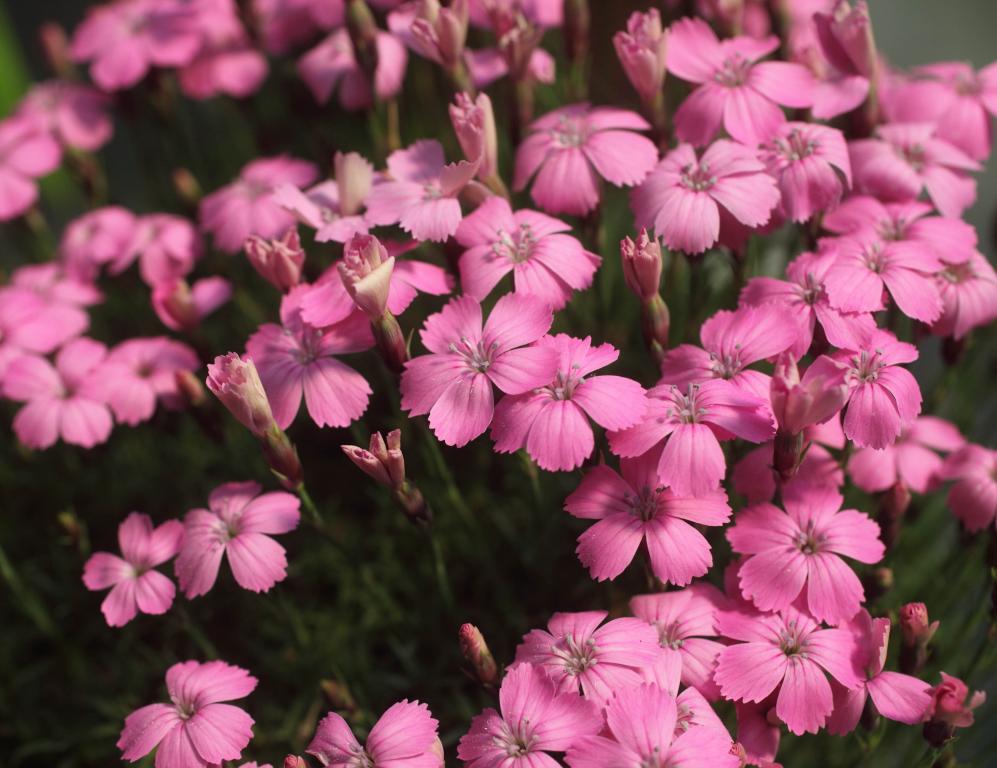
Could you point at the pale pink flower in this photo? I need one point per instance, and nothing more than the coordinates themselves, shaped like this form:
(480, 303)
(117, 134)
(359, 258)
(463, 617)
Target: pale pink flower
(735, 90)
(182, 307)
(973, 495)
(31, 325)
(135, 584)
(810, 163)
(952, 703)
(27, 152)
(50, 282)
(238, 523)
(67, 400)
(552, 422)
(912, 459)
(969, 296)
(641, 723)
(453, 384)
(884, 397)
(686, 620)
(579, 654)
(633, 507)
(642, 262)
(895, 696)
(804, 296)
(167, 247)
(102, 236)
(139, 373)
(404, 736)
(534, 720)
(247, 206)
(799, 553)
(74, 114)
(641, 49)
(694, 420)
(195, 730)
(226, 62)
(285, 24)
(788, 651)
(569, 150)
(296, 358)
(331, 67)
(691, 202)
(545, 262)
(907, 158)
(123, 39)
(421, 195)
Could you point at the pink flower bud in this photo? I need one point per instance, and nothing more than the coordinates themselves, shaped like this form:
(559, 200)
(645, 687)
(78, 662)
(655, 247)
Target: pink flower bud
(279, 262)
(174, 304)
(474, 123)
(236, 382)
(949, 702)
(354, 178)
(383, 462)
(190, 388)
(641, 50)
(55, 47)
(440, 32)
(799, 403)
(846, 38)
(295, 761)
(477, 654)
(366, 273)
(517, 45)
(914, 624)
(641, 265)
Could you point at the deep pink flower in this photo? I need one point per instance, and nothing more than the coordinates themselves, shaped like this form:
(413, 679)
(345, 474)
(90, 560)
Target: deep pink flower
(182, 307)
(331, 67)
(246, 206)
(552, 422)
(226, 63)
(952, 703)
(285, 24)
(195, 730)
(969, 296)
(545, 262)
(906, 158)
(578, 654)
(31, 325)
(74, 114)
(570, 149)
(67, 400)
(634, 507)
(167, 247)
(973, 496)
(27, 152)
(686, 620)
(790, 652)
(122, 40)
(403, 737)
(798, 552)
(453, 384)
(134, 582)
(895, 696)
(911, 459)
(296, 358)
(102, 236)
(693, 202)
(239, 523)
(641, 723)
(421, 195)
(140, 372)
(735, 89)
(810, 163)
(534, 719)
(693, 420)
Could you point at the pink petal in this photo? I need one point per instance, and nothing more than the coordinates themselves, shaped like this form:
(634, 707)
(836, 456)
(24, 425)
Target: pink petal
(271, 513)
(750, 671)
(900, 697)
(335, 394)
(405, 730)
(145, 728)
(566, 183)
(700, 114)
(692, 463)
(679, 553)
(609, 546)
(120, 606)
(834, 592)
(622, 158)
(872, 418)
(258, 562)
(515, 321)
(805, 698)
(463, 411)
(219, 732)
(520, 370)
(560, 438)
(750, 117)
(154, 593)
(612, 402)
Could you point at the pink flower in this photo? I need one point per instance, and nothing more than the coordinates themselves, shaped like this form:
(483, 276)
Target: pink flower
(434, 31)
(535, 719)
(906, 158)
(453, 384)
(642, 722)
(636, 508)
(884, 397)
(949, 702)
(895, 696)
(804, 296)
(641, 50)
(911, 459)
(247, 206)
(49, 282)
(296, 358)
(686, 620)
(278, 261)
(365, 273)
(226, 63)
(68, 400)
(195, 730)
(285, 24)
(122, 40)
(331, 67)
(641, 261)
(790, 652)
(551, 422)
(693, 202)
(102, 236)
(735, 89)
(969, 296)
(473, 121)
(140, 372)
(134, 582)
(30, 324)
(421, 195)
(754, 478)
(236, 382)
(236, 524)
(27, 152)
(798, 552)
(693, 421)
(973, 496)
(570, 149)
(798, 403)
(545, 262)
(577, 653)
(75, 115)
(810, 163)
(403, 737)
(182, 307)
(843, 57)
(167, 248)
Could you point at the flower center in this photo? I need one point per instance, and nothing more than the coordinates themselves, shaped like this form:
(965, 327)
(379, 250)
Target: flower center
(795, 147)
(809, 541)
(958, 273)
(913, 155)
(576, 656)
(892, 230)
(791, 643)
(360, 759)
(734, 71)
(874, 259)
(968, 85)
(564, 384)
(865, 366)
(431, 190)
(517, 247)
(476, 356)
(516, 740)
(729, 365)
(696, 176)
(684, 407)
(569, 133)
(185, 709)
(670, 636)
(644, 505)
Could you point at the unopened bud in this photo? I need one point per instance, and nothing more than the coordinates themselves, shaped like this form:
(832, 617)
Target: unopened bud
(477, 654)
(55, 48)
(339, 695)
(952, 707)
(390, 341)
(917, 633)
(641, 50)
(382, 461)
(354, 177)
(440, 32)
(787, 454)
(893, 505)
(295, 761)
(362, 28)
(517, 46)
(282, 458)
(187, 187)
(474, 123)
(641, 265)
(190, 388)
(577, 26)
(236, 382)
(279, 261)
(174, 304)
(366, 271)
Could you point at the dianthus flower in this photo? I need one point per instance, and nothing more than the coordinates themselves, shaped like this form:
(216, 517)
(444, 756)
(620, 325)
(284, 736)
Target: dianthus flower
(332, 67)
(27, 152)
(810, 163)
(404, 736)
(226, 63)
(74, 114)
(141, 372)
(969, 296)
(973, 495)
(912, 459)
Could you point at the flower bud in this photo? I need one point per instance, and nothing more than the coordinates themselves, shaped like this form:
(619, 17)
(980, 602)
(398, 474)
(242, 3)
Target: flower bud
(477, 654)
(236, 382)
(800, 403)
(362, 29)
(577, 26)
(55, 47)
(641, 50)
(282, 458)
(474, 123)
(279, 262)
(354, 178)
(951, 707)
(914, 624)
(339, 695)
(517, 46)
(641, 265)
(383, 462)
(295, 761)
(190, 388)
(846, 38)
(174, 304)
(187, 187)
(440, 32)
(893, 505)
(366, 273)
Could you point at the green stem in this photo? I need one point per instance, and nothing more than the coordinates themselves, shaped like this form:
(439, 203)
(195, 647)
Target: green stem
(440, 568)
(310, 508)
(32, 605)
